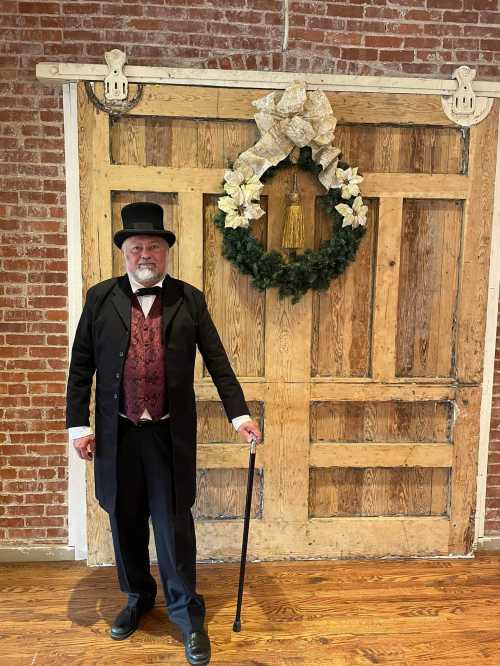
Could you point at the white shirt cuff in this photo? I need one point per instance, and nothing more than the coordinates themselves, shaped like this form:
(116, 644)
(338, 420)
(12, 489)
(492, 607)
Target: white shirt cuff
(82, 431)
(238, 420)
(79, 431)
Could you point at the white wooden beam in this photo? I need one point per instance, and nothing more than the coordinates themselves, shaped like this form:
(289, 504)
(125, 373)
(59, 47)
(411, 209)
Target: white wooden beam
(64, 72)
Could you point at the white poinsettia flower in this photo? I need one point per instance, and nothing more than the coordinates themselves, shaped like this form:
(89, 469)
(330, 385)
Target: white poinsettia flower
(253, 211)
(251, 191)
(348, 180)
(227, 204)
(233, 190)
(246, 192)
(235, 220)
(354, 216)
(242, 187)
(233, 177)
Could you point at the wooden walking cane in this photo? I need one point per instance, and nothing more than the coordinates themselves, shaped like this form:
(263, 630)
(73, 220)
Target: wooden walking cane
(251, 468)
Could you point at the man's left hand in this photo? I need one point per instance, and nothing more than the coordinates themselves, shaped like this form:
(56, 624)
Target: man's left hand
(249, 428)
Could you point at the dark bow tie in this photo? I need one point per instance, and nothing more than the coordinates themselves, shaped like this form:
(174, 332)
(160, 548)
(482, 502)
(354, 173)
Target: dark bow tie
(146, 291)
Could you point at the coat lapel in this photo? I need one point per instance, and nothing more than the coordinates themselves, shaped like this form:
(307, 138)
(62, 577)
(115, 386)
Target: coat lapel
(172, 299)
(120, 297)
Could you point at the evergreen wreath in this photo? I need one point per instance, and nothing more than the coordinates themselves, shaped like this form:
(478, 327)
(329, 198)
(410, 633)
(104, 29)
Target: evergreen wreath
(312, 269)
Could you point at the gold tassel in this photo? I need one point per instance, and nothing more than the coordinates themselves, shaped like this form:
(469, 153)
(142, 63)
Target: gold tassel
(293, 229)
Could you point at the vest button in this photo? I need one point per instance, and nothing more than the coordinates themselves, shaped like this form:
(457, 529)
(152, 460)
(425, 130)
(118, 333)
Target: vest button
(117, 375)
(121, 353)
(115, 396)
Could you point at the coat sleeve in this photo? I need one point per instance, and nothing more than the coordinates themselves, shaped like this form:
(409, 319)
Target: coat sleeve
(81, 370)
(217, 362)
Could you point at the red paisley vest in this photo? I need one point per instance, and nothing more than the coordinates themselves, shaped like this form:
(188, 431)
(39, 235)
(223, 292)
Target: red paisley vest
(143, 384)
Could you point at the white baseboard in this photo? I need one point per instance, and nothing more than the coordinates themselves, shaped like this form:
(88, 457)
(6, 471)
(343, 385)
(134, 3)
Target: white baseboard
(51, 553)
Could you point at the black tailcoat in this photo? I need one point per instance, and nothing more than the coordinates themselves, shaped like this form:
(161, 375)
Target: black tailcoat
(100, 345)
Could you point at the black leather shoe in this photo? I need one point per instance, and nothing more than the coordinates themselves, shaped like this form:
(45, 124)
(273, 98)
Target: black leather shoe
(197, 647)
(127, 621)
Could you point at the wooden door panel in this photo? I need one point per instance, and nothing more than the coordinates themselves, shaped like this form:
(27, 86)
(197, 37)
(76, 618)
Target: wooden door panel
(377, 491)
(342, 314)
(382, 421)
(428, 287)
(238, 310)
(400, 149)
(367, 393)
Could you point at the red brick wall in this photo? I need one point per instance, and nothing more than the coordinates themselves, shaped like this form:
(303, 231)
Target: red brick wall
(379, 37)
(492, 523)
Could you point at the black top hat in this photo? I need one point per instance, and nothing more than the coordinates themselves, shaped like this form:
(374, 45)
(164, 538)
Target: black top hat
(144, 218)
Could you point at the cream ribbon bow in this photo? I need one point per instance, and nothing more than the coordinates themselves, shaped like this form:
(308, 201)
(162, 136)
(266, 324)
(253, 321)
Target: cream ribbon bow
(287, 121)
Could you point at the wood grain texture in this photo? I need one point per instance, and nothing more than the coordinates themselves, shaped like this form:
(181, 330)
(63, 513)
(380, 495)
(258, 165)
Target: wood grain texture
(237, 309)
(97, 264)
(373, 491)
(221, 494)
(213, 426)
(476, 249)
(400, 390)
(86, 129)
(347, 613)
(380, 454)
(464, 474)
(348, 107)
(386, 289)
(382, 421)
(198, 179)
(360, 389)
(400, 149)
(428, 288)
(341, 315)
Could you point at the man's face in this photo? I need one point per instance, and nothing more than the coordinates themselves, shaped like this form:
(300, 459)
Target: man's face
(146, 258)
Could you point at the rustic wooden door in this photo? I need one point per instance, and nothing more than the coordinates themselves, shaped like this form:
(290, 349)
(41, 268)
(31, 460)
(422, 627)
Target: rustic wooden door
(368, 394)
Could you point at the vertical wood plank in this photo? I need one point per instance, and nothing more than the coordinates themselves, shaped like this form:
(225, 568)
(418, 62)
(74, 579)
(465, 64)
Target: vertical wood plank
(236, 307)
(464, 470)
(190, 240)
(476, 248)
(386, 288)
(128, 141)
(286, 470)
(86, 123)
(101, 201)
(341, 319)
(97, 265)
(288, 326)
(190, 248)
(184, 142)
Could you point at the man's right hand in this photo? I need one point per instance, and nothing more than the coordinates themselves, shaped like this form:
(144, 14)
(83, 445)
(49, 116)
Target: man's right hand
(85, 446)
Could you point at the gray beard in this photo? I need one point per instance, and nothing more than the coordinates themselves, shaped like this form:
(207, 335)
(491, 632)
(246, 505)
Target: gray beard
(146, 274)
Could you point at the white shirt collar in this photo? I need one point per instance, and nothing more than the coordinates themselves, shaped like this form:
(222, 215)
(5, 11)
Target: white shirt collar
(137, 285)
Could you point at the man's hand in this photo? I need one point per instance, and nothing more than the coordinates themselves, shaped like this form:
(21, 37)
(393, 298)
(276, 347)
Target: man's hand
(85, 446)
(249, 428)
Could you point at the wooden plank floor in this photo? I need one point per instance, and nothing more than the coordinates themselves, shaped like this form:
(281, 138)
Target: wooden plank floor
(342, 613)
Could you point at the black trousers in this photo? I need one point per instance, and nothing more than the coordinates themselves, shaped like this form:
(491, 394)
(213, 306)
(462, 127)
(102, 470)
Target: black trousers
(145, 488)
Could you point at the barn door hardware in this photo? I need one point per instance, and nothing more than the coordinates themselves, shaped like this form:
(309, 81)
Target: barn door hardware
(463, 107)
(115, 101)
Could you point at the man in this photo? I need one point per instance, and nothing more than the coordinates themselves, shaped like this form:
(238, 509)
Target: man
(139, 333)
